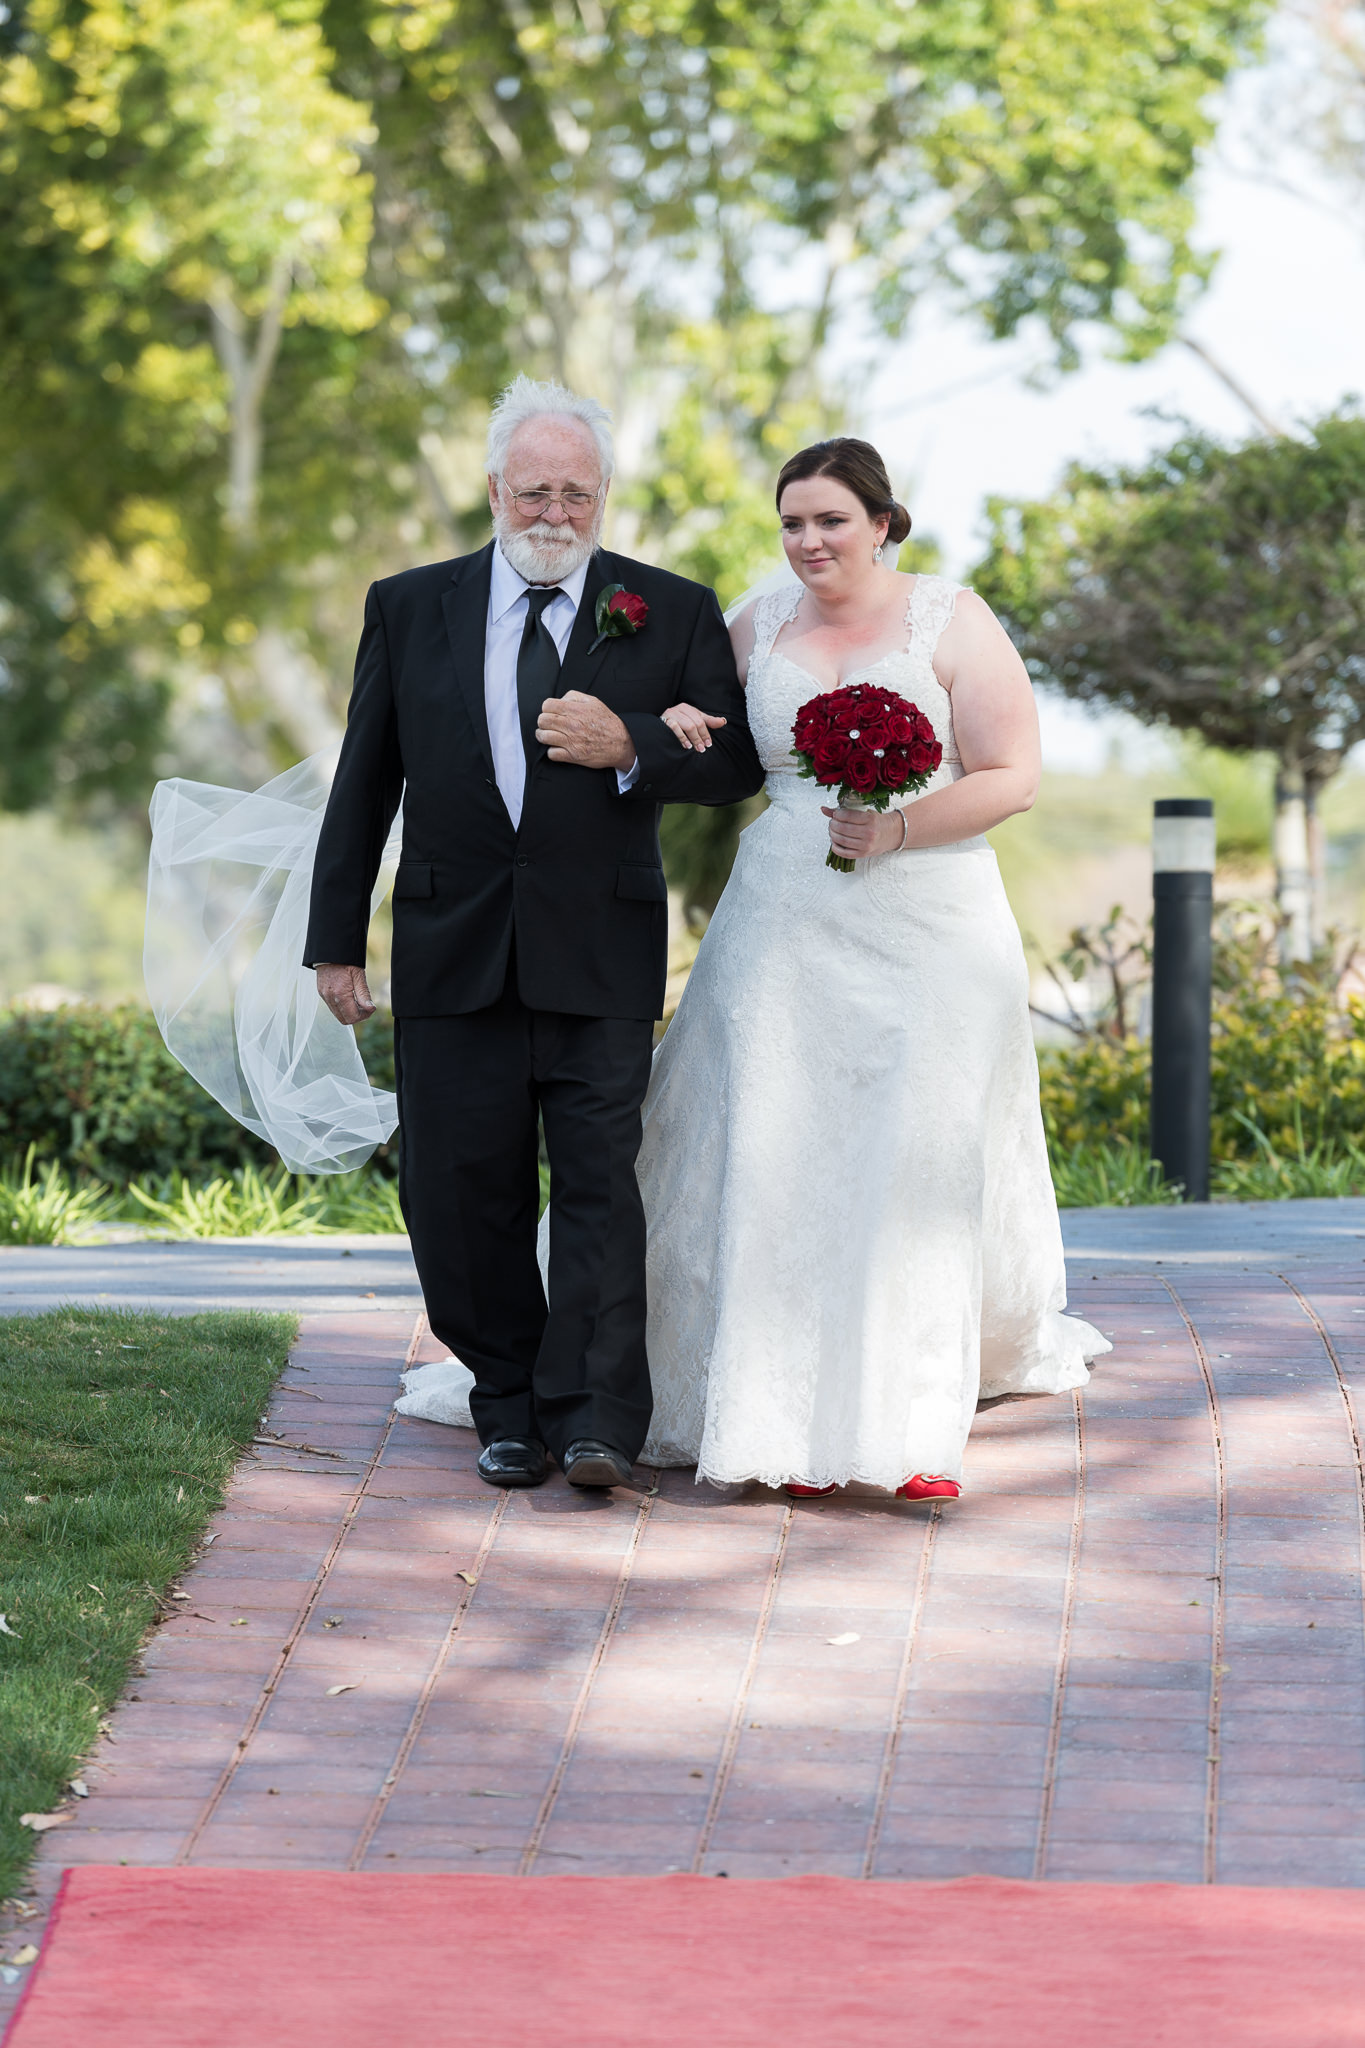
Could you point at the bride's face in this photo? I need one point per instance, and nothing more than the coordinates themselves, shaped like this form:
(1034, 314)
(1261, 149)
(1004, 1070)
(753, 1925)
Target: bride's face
(829, 535)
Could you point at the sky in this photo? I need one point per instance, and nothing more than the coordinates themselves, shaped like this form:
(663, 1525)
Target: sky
(1285, 312)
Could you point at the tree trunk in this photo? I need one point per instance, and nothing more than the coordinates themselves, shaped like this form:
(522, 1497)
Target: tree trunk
(1294, 893)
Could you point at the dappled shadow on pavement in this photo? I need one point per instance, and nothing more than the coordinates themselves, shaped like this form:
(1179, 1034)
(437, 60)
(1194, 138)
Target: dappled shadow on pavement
(1133, 1650)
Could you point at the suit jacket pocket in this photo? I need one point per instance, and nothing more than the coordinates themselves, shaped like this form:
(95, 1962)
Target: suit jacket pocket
(413, 879)
(642, 885)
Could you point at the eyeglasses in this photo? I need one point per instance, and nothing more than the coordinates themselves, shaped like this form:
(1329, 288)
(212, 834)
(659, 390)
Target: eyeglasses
(532, 503)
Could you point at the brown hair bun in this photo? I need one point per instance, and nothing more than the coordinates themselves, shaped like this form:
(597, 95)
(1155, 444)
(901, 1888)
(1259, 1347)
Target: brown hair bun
(858, 466)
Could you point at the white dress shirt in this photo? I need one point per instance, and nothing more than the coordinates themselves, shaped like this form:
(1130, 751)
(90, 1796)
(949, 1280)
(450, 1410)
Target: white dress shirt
(507, 609)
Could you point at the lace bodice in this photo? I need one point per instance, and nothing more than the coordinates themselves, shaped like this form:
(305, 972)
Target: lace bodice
(778, 686)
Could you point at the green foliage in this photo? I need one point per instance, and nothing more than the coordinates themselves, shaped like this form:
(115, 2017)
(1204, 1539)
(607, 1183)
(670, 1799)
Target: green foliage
(97, 1091)
(1117, 1175)
(260, 258)
(106, 1484)
(1288, 1096)
(1215, 590)
(47, 1210)
(278, 1204)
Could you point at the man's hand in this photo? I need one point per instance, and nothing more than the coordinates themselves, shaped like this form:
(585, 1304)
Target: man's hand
(581, 729)
(346, 993)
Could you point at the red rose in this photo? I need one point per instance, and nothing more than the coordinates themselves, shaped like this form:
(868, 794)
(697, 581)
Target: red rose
(846, 712)
(899, 728)
(923, 729)
(828, 757)
(861, 771)
(895, 768)
(634, 608)
(921, 758)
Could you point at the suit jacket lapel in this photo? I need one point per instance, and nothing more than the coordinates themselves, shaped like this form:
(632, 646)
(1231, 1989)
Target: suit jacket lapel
(464, 602)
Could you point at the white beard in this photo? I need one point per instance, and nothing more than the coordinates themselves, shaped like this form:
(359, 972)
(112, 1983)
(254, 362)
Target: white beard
(541, 553)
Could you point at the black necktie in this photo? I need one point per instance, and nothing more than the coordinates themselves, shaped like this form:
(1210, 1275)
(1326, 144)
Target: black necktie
(537, 666)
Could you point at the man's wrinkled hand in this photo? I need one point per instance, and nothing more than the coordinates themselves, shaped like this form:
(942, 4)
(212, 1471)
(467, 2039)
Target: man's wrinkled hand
(581, 729)
(346, 993)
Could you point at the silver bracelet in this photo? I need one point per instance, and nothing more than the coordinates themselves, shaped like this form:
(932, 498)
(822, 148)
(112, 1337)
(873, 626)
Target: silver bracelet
(905, 831)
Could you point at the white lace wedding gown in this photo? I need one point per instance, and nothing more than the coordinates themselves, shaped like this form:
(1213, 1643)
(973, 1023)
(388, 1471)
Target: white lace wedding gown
(852, 1229)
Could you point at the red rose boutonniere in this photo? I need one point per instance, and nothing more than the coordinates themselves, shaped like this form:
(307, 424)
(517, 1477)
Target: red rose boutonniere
(618, 612)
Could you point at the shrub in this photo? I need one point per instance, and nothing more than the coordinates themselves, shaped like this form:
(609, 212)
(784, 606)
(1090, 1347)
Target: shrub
(97, 1091)
(1288, 1068)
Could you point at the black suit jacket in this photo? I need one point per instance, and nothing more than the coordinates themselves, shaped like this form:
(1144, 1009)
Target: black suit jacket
(580, 883)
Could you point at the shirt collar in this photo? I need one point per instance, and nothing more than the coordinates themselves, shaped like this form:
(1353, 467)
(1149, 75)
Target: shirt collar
(507, 586)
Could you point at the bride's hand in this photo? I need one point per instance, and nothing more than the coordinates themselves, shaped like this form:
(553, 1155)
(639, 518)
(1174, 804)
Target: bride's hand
(691, 726)
(859, 834)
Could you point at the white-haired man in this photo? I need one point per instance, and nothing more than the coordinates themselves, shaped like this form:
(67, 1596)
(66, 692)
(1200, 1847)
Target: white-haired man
(514, 699)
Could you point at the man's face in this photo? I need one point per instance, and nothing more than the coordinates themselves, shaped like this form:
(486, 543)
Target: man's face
(549, 501)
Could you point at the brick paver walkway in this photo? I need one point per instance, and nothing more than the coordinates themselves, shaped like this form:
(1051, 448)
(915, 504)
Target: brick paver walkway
(1135, 1650)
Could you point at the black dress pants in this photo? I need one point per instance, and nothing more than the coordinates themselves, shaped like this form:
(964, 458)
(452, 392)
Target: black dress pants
(469, 1089)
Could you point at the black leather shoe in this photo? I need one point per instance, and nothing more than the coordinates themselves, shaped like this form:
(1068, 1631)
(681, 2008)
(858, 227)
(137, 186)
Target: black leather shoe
(514, 1461)
(590, 1463)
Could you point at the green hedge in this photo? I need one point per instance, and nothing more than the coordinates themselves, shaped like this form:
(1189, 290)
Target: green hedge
(97, 1090)
(1290, 1063)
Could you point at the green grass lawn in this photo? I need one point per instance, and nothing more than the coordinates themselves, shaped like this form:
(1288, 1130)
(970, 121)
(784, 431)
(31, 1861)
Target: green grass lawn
(118, 1433)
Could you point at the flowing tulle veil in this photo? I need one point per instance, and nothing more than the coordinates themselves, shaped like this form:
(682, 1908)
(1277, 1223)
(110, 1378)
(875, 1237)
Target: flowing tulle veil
(228, 884)
(227, 914)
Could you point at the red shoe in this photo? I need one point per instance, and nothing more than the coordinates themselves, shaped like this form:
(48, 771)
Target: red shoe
(922, 1486)
(807, 1492)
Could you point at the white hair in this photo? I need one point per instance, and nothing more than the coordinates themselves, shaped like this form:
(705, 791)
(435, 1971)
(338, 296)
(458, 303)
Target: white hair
(525, 399)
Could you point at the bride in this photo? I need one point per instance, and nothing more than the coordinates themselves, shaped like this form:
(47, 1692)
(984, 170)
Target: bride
(853, 1236)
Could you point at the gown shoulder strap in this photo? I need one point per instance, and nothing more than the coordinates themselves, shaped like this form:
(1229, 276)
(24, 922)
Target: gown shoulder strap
(772, 611)
(929, 610)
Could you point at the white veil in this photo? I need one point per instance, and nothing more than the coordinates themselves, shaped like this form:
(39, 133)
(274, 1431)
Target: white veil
(780, 578)
(227, 913)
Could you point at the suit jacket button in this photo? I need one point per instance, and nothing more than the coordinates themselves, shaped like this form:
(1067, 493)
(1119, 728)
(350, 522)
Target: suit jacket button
(521, 860)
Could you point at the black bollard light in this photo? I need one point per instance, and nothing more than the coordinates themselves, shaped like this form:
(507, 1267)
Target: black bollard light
(1183, 844)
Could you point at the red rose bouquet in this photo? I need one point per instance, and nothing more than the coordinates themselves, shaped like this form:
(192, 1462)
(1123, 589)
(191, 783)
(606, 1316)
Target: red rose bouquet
(873, 744)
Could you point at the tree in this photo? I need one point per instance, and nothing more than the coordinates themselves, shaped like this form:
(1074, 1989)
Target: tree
(601, 190)
(266, 257)
(1215, 590)
(183, 196)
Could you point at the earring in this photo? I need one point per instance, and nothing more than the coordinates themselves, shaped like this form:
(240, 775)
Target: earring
(878, 552)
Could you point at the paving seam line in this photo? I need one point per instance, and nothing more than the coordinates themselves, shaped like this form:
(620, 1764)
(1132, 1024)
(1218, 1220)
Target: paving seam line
(1073, 1561)
(301, 1620)
(1352, 1422)
(737, 1712)
(887, 1774)
(1218, 1629)
(419, 1712)
(580, 1706)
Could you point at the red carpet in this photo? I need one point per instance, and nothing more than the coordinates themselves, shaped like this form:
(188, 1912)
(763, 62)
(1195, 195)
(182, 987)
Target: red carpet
(313, 1959)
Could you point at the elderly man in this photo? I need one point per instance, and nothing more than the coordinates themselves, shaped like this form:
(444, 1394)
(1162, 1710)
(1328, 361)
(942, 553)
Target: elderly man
(514, 699)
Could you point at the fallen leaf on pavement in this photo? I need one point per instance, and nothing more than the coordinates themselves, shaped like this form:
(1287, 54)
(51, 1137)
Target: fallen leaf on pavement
(470, 1578)
(842, 1642)
(27, 1954)
(333, 1690)
(41, 1822)
(80, 1788)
